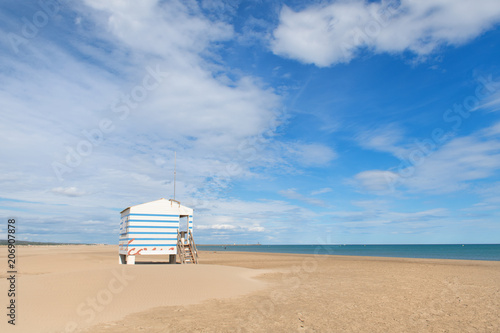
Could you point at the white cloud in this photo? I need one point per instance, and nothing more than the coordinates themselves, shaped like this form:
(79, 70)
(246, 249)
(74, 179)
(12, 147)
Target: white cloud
(321, 191)
(234, 229)
(58, 87)
(68, 191)
(56, 96)
(333, 33)
(230, 219)
(370, 204)
(491, 192)
(256, 229)
(309, 154)
(161, 28)
(385, 139)
(91, 222)
(292, 193)
(378, 181)
(217, 227)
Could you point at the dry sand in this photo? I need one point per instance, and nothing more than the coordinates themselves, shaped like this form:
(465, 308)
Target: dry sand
(83, 289)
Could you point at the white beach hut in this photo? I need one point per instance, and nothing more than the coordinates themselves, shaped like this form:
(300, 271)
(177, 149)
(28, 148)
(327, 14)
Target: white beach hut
(160, 227)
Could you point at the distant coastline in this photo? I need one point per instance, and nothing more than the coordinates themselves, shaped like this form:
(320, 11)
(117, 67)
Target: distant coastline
(19, 242)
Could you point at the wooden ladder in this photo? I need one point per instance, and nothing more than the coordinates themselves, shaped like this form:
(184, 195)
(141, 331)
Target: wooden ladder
(188, 256)
(188, 253)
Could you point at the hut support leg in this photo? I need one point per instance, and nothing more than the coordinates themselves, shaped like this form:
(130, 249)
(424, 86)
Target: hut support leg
(123, 259)
(131, 260)
(172, 259)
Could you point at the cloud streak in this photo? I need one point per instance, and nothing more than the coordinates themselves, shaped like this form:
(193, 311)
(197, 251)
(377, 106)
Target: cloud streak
(449, 168)
(292, 193)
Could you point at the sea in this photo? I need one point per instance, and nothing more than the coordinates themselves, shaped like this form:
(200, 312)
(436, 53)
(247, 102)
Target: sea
(434, 251)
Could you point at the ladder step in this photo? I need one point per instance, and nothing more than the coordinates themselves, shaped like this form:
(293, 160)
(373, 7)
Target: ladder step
(187, 252)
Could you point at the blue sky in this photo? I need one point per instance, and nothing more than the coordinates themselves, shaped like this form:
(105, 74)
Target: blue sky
(294, 122)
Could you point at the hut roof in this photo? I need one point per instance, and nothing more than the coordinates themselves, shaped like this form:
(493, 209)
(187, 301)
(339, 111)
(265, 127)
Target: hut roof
(161, 205)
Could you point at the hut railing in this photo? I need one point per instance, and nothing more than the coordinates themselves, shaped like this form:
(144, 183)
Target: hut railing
(194, 250)
(180, 248)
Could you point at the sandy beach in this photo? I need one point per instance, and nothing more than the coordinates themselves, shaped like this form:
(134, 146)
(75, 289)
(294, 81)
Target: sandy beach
(83, 289)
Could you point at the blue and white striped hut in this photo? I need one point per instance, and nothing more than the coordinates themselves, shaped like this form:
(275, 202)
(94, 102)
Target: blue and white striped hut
(160, 227)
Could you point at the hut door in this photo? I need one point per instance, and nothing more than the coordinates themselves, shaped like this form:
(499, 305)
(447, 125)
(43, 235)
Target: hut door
(183, 223)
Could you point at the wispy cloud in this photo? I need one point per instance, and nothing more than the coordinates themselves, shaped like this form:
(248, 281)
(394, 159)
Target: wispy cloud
(380, 220)
(308, 154)
(449, 168)
(292, 193)
(377, 181)
(322, 191)
(386, 138)
(68, 191)
(492, 103)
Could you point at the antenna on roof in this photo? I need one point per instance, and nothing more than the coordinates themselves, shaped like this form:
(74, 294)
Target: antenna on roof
(175, 167)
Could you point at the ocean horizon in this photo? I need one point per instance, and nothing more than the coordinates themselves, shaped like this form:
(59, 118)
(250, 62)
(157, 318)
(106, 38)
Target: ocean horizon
(490, 252)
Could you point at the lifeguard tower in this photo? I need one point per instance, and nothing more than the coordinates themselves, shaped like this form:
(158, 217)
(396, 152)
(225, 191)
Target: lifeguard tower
(160, 227)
